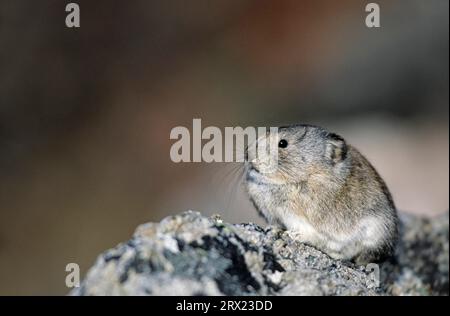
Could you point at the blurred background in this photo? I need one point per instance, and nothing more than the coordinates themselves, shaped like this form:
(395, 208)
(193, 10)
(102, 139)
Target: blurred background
(85, 114)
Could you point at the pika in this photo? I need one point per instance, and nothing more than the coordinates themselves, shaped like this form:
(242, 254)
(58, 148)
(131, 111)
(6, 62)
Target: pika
(327, 193)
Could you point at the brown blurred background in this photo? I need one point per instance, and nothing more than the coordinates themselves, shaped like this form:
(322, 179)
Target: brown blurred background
(85, 114)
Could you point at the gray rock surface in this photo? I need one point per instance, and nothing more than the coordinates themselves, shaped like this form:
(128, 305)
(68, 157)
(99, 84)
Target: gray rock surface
(189, 254)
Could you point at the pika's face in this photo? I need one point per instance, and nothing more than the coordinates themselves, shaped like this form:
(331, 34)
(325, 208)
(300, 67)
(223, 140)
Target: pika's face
(302, 151)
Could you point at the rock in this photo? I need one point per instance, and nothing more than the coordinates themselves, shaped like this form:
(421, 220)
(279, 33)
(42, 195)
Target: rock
(420, 266)
(189, 254)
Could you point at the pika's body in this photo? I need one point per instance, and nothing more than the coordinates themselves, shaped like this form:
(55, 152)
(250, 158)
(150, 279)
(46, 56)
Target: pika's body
(326, 192)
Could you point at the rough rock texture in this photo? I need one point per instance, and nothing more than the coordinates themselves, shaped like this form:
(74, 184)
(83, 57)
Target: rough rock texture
(190, 254)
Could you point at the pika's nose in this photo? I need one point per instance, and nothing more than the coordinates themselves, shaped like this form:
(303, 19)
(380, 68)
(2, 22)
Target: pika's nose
(246, 154)
(250, 152)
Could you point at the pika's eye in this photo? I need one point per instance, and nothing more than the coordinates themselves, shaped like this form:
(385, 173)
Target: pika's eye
(282, 143)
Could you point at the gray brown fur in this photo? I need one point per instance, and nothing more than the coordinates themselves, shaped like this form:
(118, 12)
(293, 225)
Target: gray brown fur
(328, 194)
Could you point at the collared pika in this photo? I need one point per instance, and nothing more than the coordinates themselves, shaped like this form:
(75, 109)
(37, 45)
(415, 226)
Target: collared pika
(326, 192)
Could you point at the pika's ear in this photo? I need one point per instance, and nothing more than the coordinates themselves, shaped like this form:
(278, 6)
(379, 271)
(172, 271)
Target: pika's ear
(336, 148)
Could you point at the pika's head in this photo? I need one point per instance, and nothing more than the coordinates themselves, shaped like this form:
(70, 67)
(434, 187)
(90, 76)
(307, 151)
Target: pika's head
(304, 152)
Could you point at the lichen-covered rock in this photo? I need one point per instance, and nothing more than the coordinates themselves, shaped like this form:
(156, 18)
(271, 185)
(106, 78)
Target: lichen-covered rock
(189, 254)
(420, 266)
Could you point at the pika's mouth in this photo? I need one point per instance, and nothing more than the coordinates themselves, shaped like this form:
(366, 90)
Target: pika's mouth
(250, 171)
(251, 167)
(254, 175)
